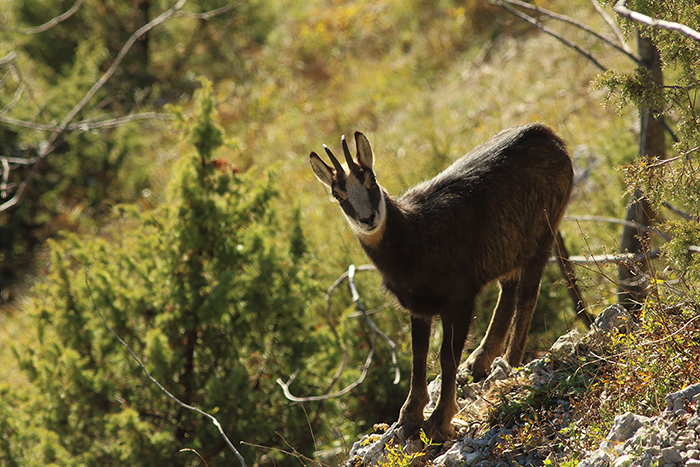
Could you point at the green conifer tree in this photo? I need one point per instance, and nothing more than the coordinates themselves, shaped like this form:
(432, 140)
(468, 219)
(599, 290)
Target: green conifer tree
(205, 290)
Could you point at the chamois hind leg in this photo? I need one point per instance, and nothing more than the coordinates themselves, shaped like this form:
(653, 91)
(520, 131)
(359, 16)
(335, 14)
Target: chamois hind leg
(411, 415)
(455, 328)
(528, 290)
(493, 343)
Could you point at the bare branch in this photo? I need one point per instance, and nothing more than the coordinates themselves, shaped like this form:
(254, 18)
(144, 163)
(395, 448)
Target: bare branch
(209, 14)
(361, 309)
(621, 9)
(53, 22)
(573, 22)
(365, 368)
(613, 27)
(89, 125)
(117, 61)
(616, 258)
(615, 220)
(64, 125)
(505, 5)
(8, 59)
(155, 381)
(674, 209)
(350, 276)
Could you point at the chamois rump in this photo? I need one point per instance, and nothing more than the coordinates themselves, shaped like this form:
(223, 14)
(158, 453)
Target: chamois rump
(491, 216)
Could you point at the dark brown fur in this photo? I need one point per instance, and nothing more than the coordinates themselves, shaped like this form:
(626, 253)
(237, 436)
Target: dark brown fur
(491, 216)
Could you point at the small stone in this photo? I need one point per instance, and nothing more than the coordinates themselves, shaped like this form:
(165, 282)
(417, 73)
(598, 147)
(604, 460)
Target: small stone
(693, 421)
(623, 461)
(671, 455)
(694, 454)
(625, 426)
(567, 344)
(692, 463)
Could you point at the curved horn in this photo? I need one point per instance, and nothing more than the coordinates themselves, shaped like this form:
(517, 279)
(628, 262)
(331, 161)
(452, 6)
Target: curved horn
(338, 168)
(351, 163)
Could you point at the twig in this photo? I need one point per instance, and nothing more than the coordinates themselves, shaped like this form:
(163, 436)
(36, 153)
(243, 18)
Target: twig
(361, 309)
(613, 26)
(63, 126)
(615, 220)
(684, 215)
(663, 162)
(621, 9)
(350, 275)
(577, 24)
(88, 125)
(53, 22)
(616, 258)
(549, 31)
(365, 368)
(155, 381)
(571, 280)
(208, 14)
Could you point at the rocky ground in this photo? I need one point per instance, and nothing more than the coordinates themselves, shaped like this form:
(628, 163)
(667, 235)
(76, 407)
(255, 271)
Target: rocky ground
(670, 439)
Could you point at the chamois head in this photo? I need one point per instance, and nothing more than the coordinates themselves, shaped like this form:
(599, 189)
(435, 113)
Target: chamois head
(355, 188)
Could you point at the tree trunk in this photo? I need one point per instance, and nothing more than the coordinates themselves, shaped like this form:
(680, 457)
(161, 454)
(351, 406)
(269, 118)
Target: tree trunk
(632, 277)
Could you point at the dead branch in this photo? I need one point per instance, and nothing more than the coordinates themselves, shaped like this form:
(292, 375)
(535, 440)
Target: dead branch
(365, 368)
(614, 220)
(350, 276)
(616, 258)
(621, 9)
(88, 125)
(53, 22)
(361, 309)
(155, 381)
(62, 128)
(613, 27)
(67, 124)
(505, 5)
(574, 291)
(674, 209)
(209, 14)
(565, 19)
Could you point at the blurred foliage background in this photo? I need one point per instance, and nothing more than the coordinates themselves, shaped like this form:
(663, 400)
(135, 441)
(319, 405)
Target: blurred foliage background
(182, 208)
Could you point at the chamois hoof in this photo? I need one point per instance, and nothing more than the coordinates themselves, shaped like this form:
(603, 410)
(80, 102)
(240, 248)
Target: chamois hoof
(439, 431)
(407, 431)
(478, 365)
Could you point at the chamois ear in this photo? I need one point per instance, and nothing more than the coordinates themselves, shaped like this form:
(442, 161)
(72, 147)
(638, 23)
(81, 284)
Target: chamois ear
(321, 169)
(365, 157)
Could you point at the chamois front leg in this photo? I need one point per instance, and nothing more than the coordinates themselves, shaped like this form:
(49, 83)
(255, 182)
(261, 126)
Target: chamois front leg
(411, 416)
(439, 425)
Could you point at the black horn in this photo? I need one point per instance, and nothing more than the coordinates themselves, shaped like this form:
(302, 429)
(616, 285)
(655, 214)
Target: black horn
(338, 168)
(351, 163)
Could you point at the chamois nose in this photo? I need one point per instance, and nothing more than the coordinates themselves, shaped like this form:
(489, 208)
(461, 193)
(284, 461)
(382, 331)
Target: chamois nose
(369, 220)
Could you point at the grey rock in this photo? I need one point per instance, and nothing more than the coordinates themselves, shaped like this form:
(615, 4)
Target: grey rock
(598, 458)
(671, 455)
(623, 461)
(676, 400)
(567, 344)
(625, 426)
(613, 318)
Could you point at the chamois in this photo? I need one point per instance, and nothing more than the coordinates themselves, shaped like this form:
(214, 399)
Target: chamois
(491, 216)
